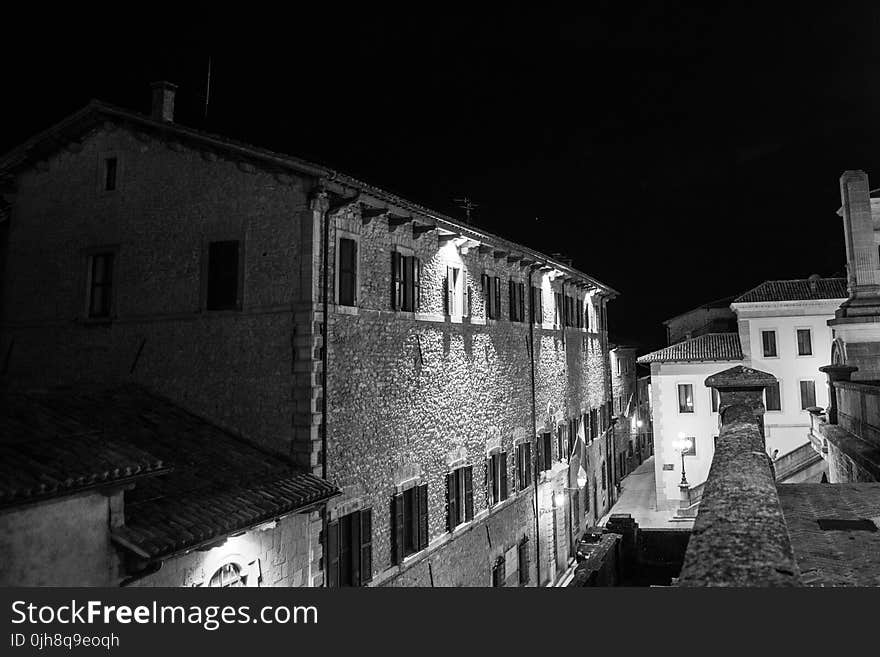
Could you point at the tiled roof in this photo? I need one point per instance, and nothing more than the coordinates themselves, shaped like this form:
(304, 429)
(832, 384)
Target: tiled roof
(803, 289)
(220, 484)
(712, 346)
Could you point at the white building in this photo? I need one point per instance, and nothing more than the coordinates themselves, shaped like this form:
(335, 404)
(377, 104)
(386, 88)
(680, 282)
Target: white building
(782, 330)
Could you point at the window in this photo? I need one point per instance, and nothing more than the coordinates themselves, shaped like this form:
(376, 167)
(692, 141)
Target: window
(716, 399)
(347, 272)
(491, 296)
(808, 394)
(406, 276)
(223, 275)
(768, 340)
(110, 171)
(523, 465)
(100, 301)
(685, 398)
(805, 342)
(594, 424)
(456, 292)
(350, 549)
(459, 496)
(523, 554)
(545, 451)
(229, 575)
(516, 298)
(604, 483)
(579, 313)
(498, 573)
(557, 309)
(496, 478)
(409, 522)
(772, 401)
(536, 305)
(560, 443)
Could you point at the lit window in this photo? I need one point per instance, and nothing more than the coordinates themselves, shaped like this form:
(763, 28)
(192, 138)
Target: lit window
(768, 341)
(685, 398)
(228, 576)
(100, 284)
(456, 292)
(805, 342)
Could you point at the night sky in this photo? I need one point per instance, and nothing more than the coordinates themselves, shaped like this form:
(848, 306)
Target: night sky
(677, 153)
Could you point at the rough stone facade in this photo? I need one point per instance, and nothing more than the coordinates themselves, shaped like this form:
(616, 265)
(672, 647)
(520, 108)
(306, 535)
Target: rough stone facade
(407, 392)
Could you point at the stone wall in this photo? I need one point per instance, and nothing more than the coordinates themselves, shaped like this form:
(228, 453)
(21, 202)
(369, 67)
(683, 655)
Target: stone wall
(234, 367)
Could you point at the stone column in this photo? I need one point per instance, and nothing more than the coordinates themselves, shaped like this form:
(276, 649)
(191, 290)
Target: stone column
(861, 252)
(741, 386)
(835, 373)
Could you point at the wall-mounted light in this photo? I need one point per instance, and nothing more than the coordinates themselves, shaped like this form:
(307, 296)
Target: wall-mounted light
(559, 499)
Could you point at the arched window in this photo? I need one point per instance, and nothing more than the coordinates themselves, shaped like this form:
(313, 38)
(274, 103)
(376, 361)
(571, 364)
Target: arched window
(228, 575)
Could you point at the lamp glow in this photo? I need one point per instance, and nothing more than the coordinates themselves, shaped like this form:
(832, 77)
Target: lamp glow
(559, 499)
(582, 477)
(639, 424)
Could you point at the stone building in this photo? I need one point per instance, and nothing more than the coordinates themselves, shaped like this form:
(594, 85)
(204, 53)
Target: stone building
(713, 317)
(437, 374)
(626, 401)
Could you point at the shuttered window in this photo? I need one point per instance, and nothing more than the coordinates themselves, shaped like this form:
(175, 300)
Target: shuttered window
(498, 573)
(516, 301)
(456, 292)
(100, 284)
(496, 478)
(536, 305)
(545, 451)
(409, 522)
(347, 272)
(768, 342)
(523, 465)
(223, 274)
(805, 342)
(524, 565)
(808, 394)
(406, 282)
(459, 496)
(594, 424)
(773, 401)
(350, 549)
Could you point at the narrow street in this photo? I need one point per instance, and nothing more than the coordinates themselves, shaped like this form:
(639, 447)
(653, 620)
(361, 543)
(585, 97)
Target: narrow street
(638, 498)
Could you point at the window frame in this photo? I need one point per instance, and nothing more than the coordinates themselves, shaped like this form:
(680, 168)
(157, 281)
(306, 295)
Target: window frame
(464, 499)
(797, 341)
(767, 408)
(775, 332)
(346, 235)
(678, 387)
(523, 457)
(801, 393)
(360, 550)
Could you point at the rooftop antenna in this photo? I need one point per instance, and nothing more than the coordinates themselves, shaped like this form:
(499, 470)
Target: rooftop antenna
(467, 205)
(208, 87)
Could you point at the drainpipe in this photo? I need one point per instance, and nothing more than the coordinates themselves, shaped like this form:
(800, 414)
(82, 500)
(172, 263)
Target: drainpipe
(324, 333)
(534, 427)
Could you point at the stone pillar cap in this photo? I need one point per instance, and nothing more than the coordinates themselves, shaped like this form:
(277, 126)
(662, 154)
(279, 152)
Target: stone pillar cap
(740, 377)
(838, 369)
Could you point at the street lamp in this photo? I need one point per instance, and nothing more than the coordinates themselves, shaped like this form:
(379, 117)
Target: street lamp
(682, 445)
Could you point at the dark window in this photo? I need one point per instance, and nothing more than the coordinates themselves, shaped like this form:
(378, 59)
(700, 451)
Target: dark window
(545, 451)
(496, 478)
(685, 398)
(808, 394)
(768, 340)
(409, 522)
(523, 465)
(491, 296)
(523, 554)
(223, 263)
(350, 549)
(347, 272)
(772, 397)
(594, 424)
(805, 342)
(459, 496)
(110, 168)
(716, 399)
(537, 305)
(498, 572)
(101, 285)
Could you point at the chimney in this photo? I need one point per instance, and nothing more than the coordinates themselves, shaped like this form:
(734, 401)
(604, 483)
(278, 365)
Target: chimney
(163, 101)
(814, 282)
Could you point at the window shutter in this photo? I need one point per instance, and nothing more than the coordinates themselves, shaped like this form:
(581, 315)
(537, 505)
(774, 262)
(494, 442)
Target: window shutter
(497, 297)
(407, 283)
(417, 284)
(423, 516)
(523, 562)
(396, 282)
(450, 290)
(503, 488)
(465, 294)
(486, 286)
(451, 502)
(490, 482)
(366, 564)
(511, 302)
(522, 301)
(354, 548)
(540, 306)
(333, 554)
(397, 528)
(469, 493)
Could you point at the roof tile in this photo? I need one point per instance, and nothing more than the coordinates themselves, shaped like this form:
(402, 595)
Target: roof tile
(709, 347)
(805, 289)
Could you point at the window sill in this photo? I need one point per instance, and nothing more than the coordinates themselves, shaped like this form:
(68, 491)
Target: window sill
(345, 310)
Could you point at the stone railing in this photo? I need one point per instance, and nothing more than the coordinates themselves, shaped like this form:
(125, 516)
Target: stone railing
(740, 537)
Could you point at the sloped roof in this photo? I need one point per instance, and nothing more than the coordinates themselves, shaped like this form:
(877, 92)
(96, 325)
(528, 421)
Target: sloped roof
(709, 347)
(218, 483)
(804, 289)
(98, 112)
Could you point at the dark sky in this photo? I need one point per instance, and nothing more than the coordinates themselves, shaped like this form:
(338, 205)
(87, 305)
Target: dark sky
(679, 153)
